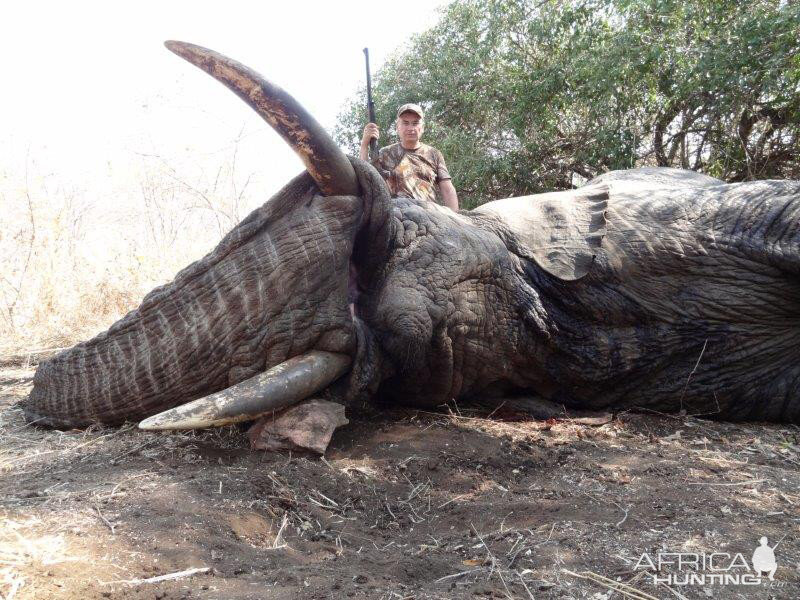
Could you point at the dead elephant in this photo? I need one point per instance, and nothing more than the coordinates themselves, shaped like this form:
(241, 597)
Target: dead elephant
(648, 288)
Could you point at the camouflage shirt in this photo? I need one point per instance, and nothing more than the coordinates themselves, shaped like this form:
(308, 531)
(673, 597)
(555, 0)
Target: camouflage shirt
(412, 173)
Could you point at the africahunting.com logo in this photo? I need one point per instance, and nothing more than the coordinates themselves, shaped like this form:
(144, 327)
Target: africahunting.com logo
(715, 568)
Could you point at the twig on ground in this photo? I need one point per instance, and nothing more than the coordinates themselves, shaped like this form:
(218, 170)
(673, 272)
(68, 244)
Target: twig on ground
(726, 484)
(624, 518)
(60, 450)
(534, 425)
(25, 426)
(106, 521)
(493, 559)
(617, 586)
(694, 370)
(525, 585)
(127, 479)
(549, 535)
(460, 574)
(149, 442)
(520, 550)
(630, 581)
(276, 543)
(673, 592)
(619, 506)
(160, 578)
(489, 416)
(459, 497)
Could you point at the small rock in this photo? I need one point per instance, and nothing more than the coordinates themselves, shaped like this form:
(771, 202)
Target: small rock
(308, 425)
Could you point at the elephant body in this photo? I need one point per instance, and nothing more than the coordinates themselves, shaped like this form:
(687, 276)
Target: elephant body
(652, 288)
(691, 300)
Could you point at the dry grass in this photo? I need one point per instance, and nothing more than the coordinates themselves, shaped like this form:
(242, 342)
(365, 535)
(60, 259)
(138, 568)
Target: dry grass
(71, 264)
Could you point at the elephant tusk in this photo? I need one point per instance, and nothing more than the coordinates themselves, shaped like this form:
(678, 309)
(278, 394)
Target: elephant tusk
(283, 385)
(326, 163)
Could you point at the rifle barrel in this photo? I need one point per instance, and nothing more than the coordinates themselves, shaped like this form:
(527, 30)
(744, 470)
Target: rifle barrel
(373, 143)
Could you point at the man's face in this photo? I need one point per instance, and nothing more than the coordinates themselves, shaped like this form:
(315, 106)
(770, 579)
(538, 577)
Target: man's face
(409, 128)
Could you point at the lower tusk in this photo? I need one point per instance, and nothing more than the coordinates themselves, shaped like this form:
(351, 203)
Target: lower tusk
(283, 385)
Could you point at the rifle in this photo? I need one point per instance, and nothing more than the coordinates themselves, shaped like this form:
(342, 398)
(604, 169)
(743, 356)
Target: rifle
(373, 143)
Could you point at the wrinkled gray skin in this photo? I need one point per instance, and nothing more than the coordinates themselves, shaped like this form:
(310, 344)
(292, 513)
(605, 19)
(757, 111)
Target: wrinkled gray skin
(672, 274)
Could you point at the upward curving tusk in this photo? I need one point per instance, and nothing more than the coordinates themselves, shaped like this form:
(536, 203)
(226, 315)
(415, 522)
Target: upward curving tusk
(326, 163)
(283, 385)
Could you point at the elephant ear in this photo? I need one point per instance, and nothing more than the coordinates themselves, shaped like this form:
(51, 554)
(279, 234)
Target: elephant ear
(562, 232)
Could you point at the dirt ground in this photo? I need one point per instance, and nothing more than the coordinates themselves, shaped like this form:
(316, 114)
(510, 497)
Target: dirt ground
(404, 504)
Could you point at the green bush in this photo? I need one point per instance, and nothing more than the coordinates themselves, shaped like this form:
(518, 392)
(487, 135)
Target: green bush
(525, 96)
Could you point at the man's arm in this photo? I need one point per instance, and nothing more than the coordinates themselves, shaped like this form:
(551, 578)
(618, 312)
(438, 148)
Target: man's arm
(449, 195)
(446, 187)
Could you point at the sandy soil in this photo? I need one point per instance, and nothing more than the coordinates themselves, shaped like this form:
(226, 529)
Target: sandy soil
(405, 504)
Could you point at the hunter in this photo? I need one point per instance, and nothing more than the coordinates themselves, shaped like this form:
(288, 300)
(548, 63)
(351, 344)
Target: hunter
(411, 169)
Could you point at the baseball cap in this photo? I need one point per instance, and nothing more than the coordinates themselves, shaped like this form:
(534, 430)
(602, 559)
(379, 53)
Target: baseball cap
(415, 108)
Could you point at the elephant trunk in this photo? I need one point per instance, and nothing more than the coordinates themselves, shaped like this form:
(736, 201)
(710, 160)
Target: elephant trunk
(135, 368)
(275, 287)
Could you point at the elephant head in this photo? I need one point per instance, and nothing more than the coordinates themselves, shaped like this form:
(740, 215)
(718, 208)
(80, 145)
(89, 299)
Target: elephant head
(265, 319)
(274, 290)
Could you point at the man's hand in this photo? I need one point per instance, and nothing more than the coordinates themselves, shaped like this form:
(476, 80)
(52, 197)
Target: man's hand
(370, 132)
(449, 195)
